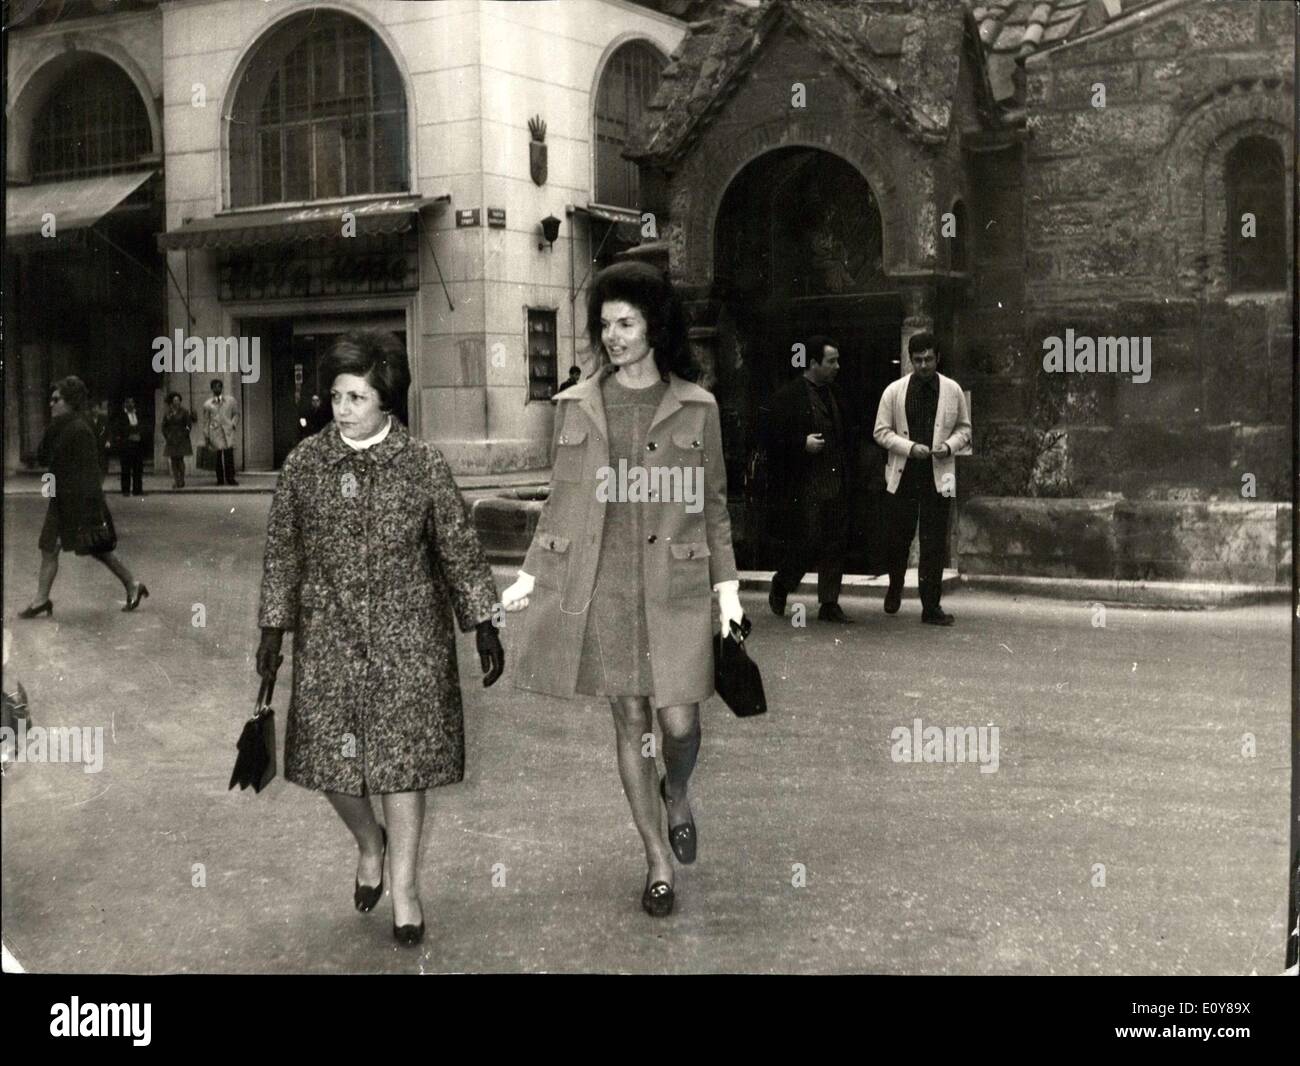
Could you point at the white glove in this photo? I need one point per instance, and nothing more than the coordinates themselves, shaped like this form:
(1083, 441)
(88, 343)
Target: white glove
(515, 598)
(729, 604)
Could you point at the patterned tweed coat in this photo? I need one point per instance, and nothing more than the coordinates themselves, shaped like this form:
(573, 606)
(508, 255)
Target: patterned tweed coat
(367, 556)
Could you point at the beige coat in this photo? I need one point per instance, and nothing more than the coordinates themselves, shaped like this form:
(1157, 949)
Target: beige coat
(684, 555)
(221, 422)
(951, 426)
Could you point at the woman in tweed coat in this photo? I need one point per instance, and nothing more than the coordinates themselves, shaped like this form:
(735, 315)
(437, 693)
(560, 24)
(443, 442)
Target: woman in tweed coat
(369, 552)
(620, 581)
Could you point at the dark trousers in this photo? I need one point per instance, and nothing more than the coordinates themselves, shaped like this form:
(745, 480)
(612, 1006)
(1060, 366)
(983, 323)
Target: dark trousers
(132, 460)
(822, 542)
(226, 466)
(918, 499)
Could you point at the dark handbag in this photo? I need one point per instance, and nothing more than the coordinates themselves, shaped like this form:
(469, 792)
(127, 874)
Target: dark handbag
(96, 534)
(735, 675)
(255, 763)
(205, 458)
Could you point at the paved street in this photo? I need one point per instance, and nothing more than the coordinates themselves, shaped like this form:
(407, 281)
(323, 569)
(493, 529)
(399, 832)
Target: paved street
(1119, 746)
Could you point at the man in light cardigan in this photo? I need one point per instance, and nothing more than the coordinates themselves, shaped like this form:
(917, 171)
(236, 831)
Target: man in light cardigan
(923, 421)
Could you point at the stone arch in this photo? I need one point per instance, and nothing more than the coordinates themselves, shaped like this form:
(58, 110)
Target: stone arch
(42, 72)
(628, 37)
(230, 91)
(1194, 173)
(699, 192)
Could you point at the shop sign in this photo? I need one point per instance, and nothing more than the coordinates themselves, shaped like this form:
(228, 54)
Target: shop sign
(343, 267)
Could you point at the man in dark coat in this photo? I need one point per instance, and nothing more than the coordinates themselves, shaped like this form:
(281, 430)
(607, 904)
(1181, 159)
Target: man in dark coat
(808, 436)
(130, 436)
(98, 419)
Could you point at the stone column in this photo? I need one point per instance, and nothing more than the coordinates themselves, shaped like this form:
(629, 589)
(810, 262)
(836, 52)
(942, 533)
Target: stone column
(918, 316)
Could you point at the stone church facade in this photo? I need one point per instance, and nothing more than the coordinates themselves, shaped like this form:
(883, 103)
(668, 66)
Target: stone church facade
(1001, 173)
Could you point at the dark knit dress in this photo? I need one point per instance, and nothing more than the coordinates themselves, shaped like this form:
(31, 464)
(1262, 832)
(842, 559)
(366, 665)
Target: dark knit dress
(616, 646)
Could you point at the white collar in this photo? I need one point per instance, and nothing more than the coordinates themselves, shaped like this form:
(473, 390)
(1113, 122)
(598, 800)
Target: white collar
(361, 445)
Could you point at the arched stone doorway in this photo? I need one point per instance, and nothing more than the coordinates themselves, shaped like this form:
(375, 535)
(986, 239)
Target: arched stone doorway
(798, 250)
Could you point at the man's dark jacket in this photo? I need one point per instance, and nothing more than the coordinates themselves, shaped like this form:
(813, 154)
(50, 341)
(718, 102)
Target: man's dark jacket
(785, 421)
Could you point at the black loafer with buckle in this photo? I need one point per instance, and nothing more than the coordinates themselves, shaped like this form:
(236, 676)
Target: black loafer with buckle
(683, 838)
(657, 899)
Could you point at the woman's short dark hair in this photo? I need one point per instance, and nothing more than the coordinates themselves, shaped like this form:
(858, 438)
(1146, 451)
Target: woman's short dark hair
(74, 392)
(176, 394)
(646, 289)
(379, 357)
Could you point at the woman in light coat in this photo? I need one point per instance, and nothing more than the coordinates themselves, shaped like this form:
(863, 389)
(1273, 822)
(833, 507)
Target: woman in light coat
(370, 552)
(633, 539)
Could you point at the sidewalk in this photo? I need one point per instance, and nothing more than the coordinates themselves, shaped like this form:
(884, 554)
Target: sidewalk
(28, 482)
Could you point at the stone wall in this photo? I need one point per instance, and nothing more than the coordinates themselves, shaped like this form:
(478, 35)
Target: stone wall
(1125, 225)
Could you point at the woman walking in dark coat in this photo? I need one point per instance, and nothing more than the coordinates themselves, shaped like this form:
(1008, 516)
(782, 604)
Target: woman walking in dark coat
(176, 425)
(620, 568)
(77, 504)
(369, 552)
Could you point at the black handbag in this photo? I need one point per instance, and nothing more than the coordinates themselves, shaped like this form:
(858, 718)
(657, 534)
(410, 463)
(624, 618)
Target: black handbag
(735, 675)
(255, 763)
(96, 534)
(206, 458)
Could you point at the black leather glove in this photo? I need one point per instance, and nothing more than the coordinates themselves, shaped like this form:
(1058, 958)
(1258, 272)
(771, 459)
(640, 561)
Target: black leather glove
(491, 654)
(268, 652)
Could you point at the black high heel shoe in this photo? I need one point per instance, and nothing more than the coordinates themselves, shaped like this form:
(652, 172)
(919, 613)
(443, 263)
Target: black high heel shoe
(683, 838)
(132, 602)
(35, 612)
(364, 897)
(657, 899)
(409, 935)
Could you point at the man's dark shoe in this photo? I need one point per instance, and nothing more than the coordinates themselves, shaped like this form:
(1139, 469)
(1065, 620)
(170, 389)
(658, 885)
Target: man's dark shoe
(938, 618)
(830, 612)
(776, 599)
(893, 600)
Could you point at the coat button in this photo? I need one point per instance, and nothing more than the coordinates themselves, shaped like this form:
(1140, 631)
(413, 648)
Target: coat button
(696, 444)
(651, 446)
(651, 539)
(691, 554)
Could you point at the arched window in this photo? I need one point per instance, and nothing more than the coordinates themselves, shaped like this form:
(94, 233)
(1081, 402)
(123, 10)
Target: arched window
(1255, 177)
(626, 86)
(92, 123)
(320, 113)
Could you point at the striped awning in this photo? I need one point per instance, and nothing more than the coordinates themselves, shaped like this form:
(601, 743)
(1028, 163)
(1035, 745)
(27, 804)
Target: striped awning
(289, 225)
(72, 205)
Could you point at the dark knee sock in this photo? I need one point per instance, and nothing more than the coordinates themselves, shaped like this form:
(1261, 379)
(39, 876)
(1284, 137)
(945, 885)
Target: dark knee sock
(680, 754)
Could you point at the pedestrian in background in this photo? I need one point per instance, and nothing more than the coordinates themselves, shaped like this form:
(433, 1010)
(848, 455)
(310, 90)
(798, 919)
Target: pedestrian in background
(129, 438)
(78, 519)
(176, 425)
(808, 435)
(370, 550)
(923, 421)
(220, 426)
(621, 588)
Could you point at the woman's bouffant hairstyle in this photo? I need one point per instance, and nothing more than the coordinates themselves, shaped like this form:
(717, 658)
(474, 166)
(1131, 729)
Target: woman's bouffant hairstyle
(74, 392)
(377, 356)
(646, 289)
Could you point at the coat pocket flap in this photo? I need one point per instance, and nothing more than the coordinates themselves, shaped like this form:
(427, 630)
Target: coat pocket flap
(553, 542)
(690, 551)
(689, 439)
(573, 436)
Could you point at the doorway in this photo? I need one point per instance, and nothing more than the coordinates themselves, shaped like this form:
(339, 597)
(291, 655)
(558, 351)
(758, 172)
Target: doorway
(294, 348)
(799, 251)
